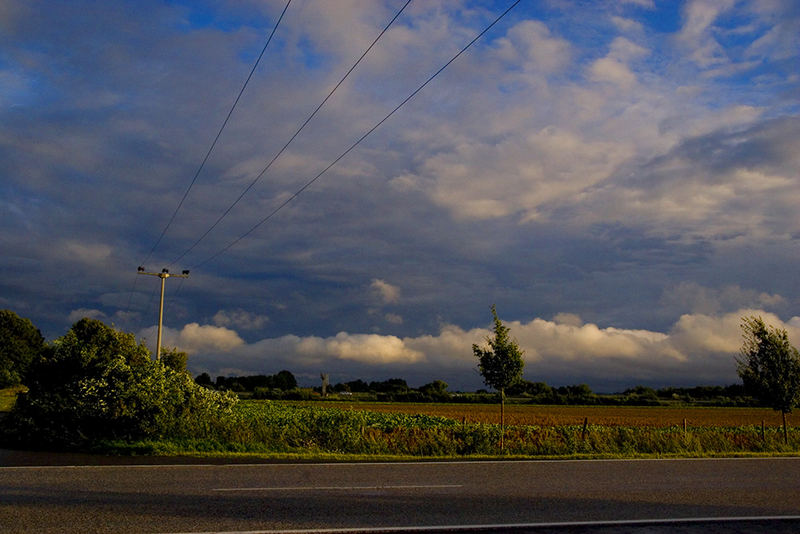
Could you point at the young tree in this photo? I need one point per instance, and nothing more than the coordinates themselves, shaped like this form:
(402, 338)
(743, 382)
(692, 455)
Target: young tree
(500, 364)
(770, 367)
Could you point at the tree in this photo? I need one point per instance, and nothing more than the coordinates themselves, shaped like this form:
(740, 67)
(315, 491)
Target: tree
(174, 359)
(770, 367)
(20, 343)
(436, 390)
(500, 364)
(204, 379)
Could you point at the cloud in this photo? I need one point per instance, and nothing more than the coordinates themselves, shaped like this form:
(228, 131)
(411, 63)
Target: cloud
(96, 254)
(537, 169)
(239, 318)
(696, 35)
(387, 292)
(194, 338)
(614, 67)
(80, 313)
(531, 45)
(698, 348)
(704, 300)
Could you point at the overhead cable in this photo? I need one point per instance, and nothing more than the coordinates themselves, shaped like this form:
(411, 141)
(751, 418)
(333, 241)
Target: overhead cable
(208, 153)
(300, 129)
(219, 133)
(354, 145)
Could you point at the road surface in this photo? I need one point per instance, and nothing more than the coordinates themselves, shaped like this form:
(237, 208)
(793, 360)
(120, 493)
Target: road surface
(273, 497)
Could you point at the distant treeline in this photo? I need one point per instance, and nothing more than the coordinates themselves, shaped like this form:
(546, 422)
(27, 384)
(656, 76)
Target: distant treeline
(283, 385)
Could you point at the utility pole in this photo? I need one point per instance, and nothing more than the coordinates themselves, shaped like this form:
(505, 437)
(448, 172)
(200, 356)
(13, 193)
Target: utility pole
(164, 274)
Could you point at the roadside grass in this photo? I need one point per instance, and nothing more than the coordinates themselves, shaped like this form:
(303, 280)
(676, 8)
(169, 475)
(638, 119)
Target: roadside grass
(8, 397)
(282, 432)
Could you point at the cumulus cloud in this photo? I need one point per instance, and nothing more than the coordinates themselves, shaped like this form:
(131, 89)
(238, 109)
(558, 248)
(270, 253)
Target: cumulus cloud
(387, 292)
(531, 45)
(698, 348)
(194, 338)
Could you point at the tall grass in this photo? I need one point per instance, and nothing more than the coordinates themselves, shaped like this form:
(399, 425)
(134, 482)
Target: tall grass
(268, 427)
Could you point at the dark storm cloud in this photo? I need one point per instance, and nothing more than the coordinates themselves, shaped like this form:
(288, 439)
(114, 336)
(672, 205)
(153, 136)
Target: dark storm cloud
(619, 179)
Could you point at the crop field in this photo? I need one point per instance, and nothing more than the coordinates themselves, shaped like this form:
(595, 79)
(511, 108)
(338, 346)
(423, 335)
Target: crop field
(537, 415)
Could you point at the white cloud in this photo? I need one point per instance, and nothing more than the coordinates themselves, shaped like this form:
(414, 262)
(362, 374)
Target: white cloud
(537, 169)
(696, 35)
(387, 292)
(194, 338)
(614, 67)
(531, 46)
(698, 348)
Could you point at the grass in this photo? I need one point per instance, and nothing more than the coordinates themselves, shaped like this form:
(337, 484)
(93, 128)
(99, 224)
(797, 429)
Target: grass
(544, 415)
(291, 431)
(307, 431)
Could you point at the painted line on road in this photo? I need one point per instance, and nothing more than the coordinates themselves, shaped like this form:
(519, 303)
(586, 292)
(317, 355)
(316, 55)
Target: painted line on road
(510, 526)
(343, 488)
(402, 463)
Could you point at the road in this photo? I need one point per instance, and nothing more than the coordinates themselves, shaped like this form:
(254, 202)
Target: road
(240, 498)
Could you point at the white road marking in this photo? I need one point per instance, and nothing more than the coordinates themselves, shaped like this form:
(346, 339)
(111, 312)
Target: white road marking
(416, 463)
(467, 528)
(342, 488)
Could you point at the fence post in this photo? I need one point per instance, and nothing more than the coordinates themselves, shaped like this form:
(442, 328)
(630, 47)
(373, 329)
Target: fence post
(585, 425)
(684, 426)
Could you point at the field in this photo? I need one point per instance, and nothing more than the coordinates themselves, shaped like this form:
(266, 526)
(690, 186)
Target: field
(536, 415)
(370, 430)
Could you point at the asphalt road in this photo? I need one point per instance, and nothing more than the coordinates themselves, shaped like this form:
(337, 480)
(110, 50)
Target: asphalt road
(253, 498)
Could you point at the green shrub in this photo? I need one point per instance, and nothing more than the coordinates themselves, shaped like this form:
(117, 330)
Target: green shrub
(96, 383)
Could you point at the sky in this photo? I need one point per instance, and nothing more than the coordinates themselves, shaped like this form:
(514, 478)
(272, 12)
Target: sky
(620, 178)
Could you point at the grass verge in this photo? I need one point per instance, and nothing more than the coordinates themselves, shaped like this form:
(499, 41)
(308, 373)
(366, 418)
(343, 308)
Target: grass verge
(279, 431)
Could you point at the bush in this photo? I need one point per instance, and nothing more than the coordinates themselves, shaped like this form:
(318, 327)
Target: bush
(96, 383)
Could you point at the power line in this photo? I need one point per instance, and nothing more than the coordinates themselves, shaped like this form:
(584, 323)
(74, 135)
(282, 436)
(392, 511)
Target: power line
(208, 153)
(300, 129)
(354, 145)
(219, 133)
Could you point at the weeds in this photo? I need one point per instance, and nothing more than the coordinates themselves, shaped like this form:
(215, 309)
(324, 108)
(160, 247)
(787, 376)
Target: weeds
(277, 428)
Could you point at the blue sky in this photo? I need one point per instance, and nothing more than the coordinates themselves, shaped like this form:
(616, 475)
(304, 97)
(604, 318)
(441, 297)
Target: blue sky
(620, 178)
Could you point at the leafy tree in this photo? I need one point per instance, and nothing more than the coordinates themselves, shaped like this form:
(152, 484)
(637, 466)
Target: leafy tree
(20, 343)
(500, 363)
(97, 383)
(285, 380)
(174, 359)
(204, 379)
(436, 390)
(770, 367)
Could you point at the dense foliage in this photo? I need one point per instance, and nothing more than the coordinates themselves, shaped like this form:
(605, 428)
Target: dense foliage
(97, 383)
(20, 343)
(770, 366)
